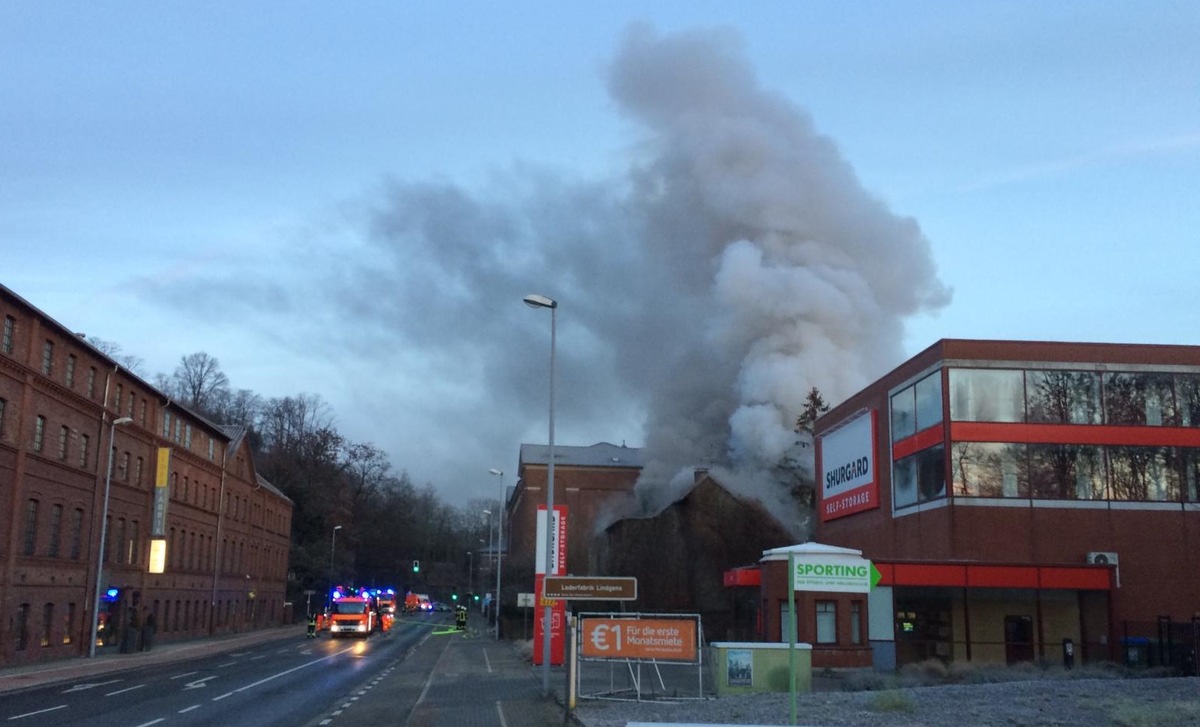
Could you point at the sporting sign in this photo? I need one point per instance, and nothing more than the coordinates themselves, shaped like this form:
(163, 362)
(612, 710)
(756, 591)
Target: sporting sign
(834, 574)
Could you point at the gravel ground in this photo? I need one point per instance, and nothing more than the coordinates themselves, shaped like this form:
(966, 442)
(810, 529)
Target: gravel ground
(1173, 702)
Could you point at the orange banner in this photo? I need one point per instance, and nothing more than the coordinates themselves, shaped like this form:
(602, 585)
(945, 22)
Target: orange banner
(661, 639)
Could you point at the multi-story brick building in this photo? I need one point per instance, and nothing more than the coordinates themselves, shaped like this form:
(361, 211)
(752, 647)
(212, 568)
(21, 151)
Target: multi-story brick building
(1015, 496)
(69, 413)
(590, 481)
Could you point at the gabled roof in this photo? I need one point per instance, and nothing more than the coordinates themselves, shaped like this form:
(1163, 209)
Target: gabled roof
(601, 454)
(809, 549)
(262, 482)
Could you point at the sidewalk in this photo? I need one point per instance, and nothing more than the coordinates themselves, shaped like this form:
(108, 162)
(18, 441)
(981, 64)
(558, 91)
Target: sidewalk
(108, 660)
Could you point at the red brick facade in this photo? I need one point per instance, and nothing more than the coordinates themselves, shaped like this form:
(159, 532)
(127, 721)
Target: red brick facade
(59, 398)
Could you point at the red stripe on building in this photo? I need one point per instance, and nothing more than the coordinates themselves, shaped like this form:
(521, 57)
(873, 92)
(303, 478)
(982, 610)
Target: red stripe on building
(921, 440)
(1074, 434)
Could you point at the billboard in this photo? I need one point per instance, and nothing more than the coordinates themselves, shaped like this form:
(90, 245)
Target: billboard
(662, 638)
(849, 480)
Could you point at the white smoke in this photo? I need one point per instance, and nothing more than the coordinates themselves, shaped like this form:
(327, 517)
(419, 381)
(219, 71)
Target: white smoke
(702, 293)
(805, 277)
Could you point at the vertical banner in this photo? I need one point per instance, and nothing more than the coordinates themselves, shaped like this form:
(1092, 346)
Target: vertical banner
(162, 479)
(558, 608)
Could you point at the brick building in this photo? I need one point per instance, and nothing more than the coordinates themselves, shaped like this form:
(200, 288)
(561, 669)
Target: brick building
(68, 412)
(590, 481)
(1015, 495)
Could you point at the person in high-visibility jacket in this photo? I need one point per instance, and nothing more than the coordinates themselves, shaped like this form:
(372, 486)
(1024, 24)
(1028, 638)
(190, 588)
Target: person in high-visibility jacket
(312, 625)
(460, 618)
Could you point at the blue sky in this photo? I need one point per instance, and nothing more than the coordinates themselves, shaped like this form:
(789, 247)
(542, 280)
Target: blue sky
(352, 200)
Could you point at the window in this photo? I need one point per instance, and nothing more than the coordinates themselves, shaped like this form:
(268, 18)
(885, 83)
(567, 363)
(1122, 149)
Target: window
(3, 403)
(132, 402)
(989, 469)
(1063, 397)
(131, 556)
(1066, 472)
(1139, 399)
(125, 466)
(904, 414)
(166, 424)
(178, 427)
(47, 357)
(64, 435)
(10, 328)
(919, 477)
(22, 627)
(107, 544)
(39, 431)
(987, 395)
(142, 416)
(826, 622)
(47, 623)
(31, 518)
(84, 444)
(121, 548)
(211, 446)
(76, 533)
(856, 616)
(1143, 474)
(91, 382)
(117, 399)
(70, 377)
(187, 436)
(55, 530)
(1187, 392)
(137, 478)
(68, 623)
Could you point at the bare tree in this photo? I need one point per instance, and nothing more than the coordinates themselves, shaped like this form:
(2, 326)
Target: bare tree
(200, 382)
(113, 351)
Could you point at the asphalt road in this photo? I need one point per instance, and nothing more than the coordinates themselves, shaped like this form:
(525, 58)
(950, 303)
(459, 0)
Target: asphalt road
(279, 683)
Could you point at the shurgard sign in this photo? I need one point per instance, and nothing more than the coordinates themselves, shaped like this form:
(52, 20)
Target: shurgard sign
(834, 574)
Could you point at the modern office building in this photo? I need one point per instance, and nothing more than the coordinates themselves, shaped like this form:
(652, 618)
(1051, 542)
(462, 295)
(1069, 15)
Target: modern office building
(1020, 499)
(92, 453)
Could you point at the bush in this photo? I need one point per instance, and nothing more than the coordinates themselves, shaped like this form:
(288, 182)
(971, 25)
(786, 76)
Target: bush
(892, 700)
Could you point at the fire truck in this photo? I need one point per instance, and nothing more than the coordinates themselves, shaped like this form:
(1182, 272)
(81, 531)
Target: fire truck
(386, 604)
(352, 614)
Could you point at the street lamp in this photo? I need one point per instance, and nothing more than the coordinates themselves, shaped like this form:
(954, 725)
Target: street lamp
(499, 545)
(489, 540)
(332, 547)
(541, 301)
(470, 575)
(112, 433)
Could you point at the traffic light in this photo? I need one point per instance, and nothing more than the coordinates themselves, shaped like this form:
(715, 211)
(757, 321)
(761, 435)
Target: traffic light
(416, 566)
(475, 596)
(454, 595)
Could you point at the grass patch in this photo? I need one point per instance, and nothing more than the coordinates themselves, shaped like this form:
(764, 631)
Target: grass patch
(891, 700)
(1161, 714)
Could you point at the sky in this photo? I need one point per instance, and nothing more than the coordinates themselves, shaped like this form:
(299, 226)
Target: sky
(732, 203)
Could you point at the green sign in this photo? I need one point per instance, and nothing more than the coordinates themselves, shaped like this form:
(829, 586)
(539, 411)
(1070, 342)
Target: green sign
(834, 574)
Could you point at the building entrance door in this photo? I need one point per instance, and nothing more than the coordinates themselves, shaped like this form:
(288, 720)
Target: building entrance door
(1018, 639)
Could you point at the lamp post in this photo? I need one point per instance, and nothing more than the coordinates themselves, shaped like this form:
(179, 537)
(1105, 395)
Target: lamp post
(470, 575)
(112, 433)
(332, 547)
(541, 301)
(499, 546)
(489, 540)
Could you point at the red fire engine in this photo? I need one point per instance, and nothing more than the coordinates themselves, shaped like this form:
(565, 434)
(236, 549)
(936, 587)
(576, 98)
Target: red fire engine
(352, 614)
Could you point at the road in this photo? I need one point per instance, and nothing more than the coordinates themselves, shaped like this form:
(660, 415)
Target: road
(282, 683)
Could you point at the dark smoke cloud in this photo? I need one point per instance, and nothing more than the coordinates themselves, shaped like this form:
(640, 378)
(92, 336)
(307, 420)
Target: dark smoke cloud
(736, 264)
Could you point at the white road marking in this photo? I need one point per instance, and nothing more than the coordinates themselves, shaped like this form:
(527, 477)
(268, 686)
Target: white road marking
(126, 689)
(185, 674)
(197, 706)
(160, 719)
(82, 687)
(489, 661)
(40, 711)
(228, 663)
(499, 711)
(282, 673)
(199, 683)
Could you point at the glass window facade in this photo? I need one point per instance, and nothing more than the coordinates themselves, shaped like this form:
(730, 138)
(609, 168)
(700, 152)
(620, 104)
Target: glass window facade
(1063, 397)
(987, 395)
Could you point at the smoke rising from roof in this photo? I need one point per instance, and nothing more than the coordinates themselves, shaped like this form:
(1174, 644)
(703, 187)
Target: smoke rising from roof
(737, 263)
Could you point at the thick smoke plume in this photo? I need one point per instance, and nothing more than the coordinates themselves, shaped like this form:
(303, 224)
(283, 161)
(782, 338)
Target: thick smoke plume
(735, 265)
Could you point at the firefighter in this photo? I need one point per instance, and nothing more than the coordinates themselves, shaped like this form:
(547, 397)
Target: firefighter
(460, 618)
(312, 625)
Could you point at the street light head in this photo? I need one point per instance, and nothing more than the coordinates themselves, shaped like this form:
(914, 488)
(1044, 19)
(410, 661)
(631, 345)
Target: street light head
(487, 512)
(540, 301)
(122, 420)
(337, 528)
(496, 472)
